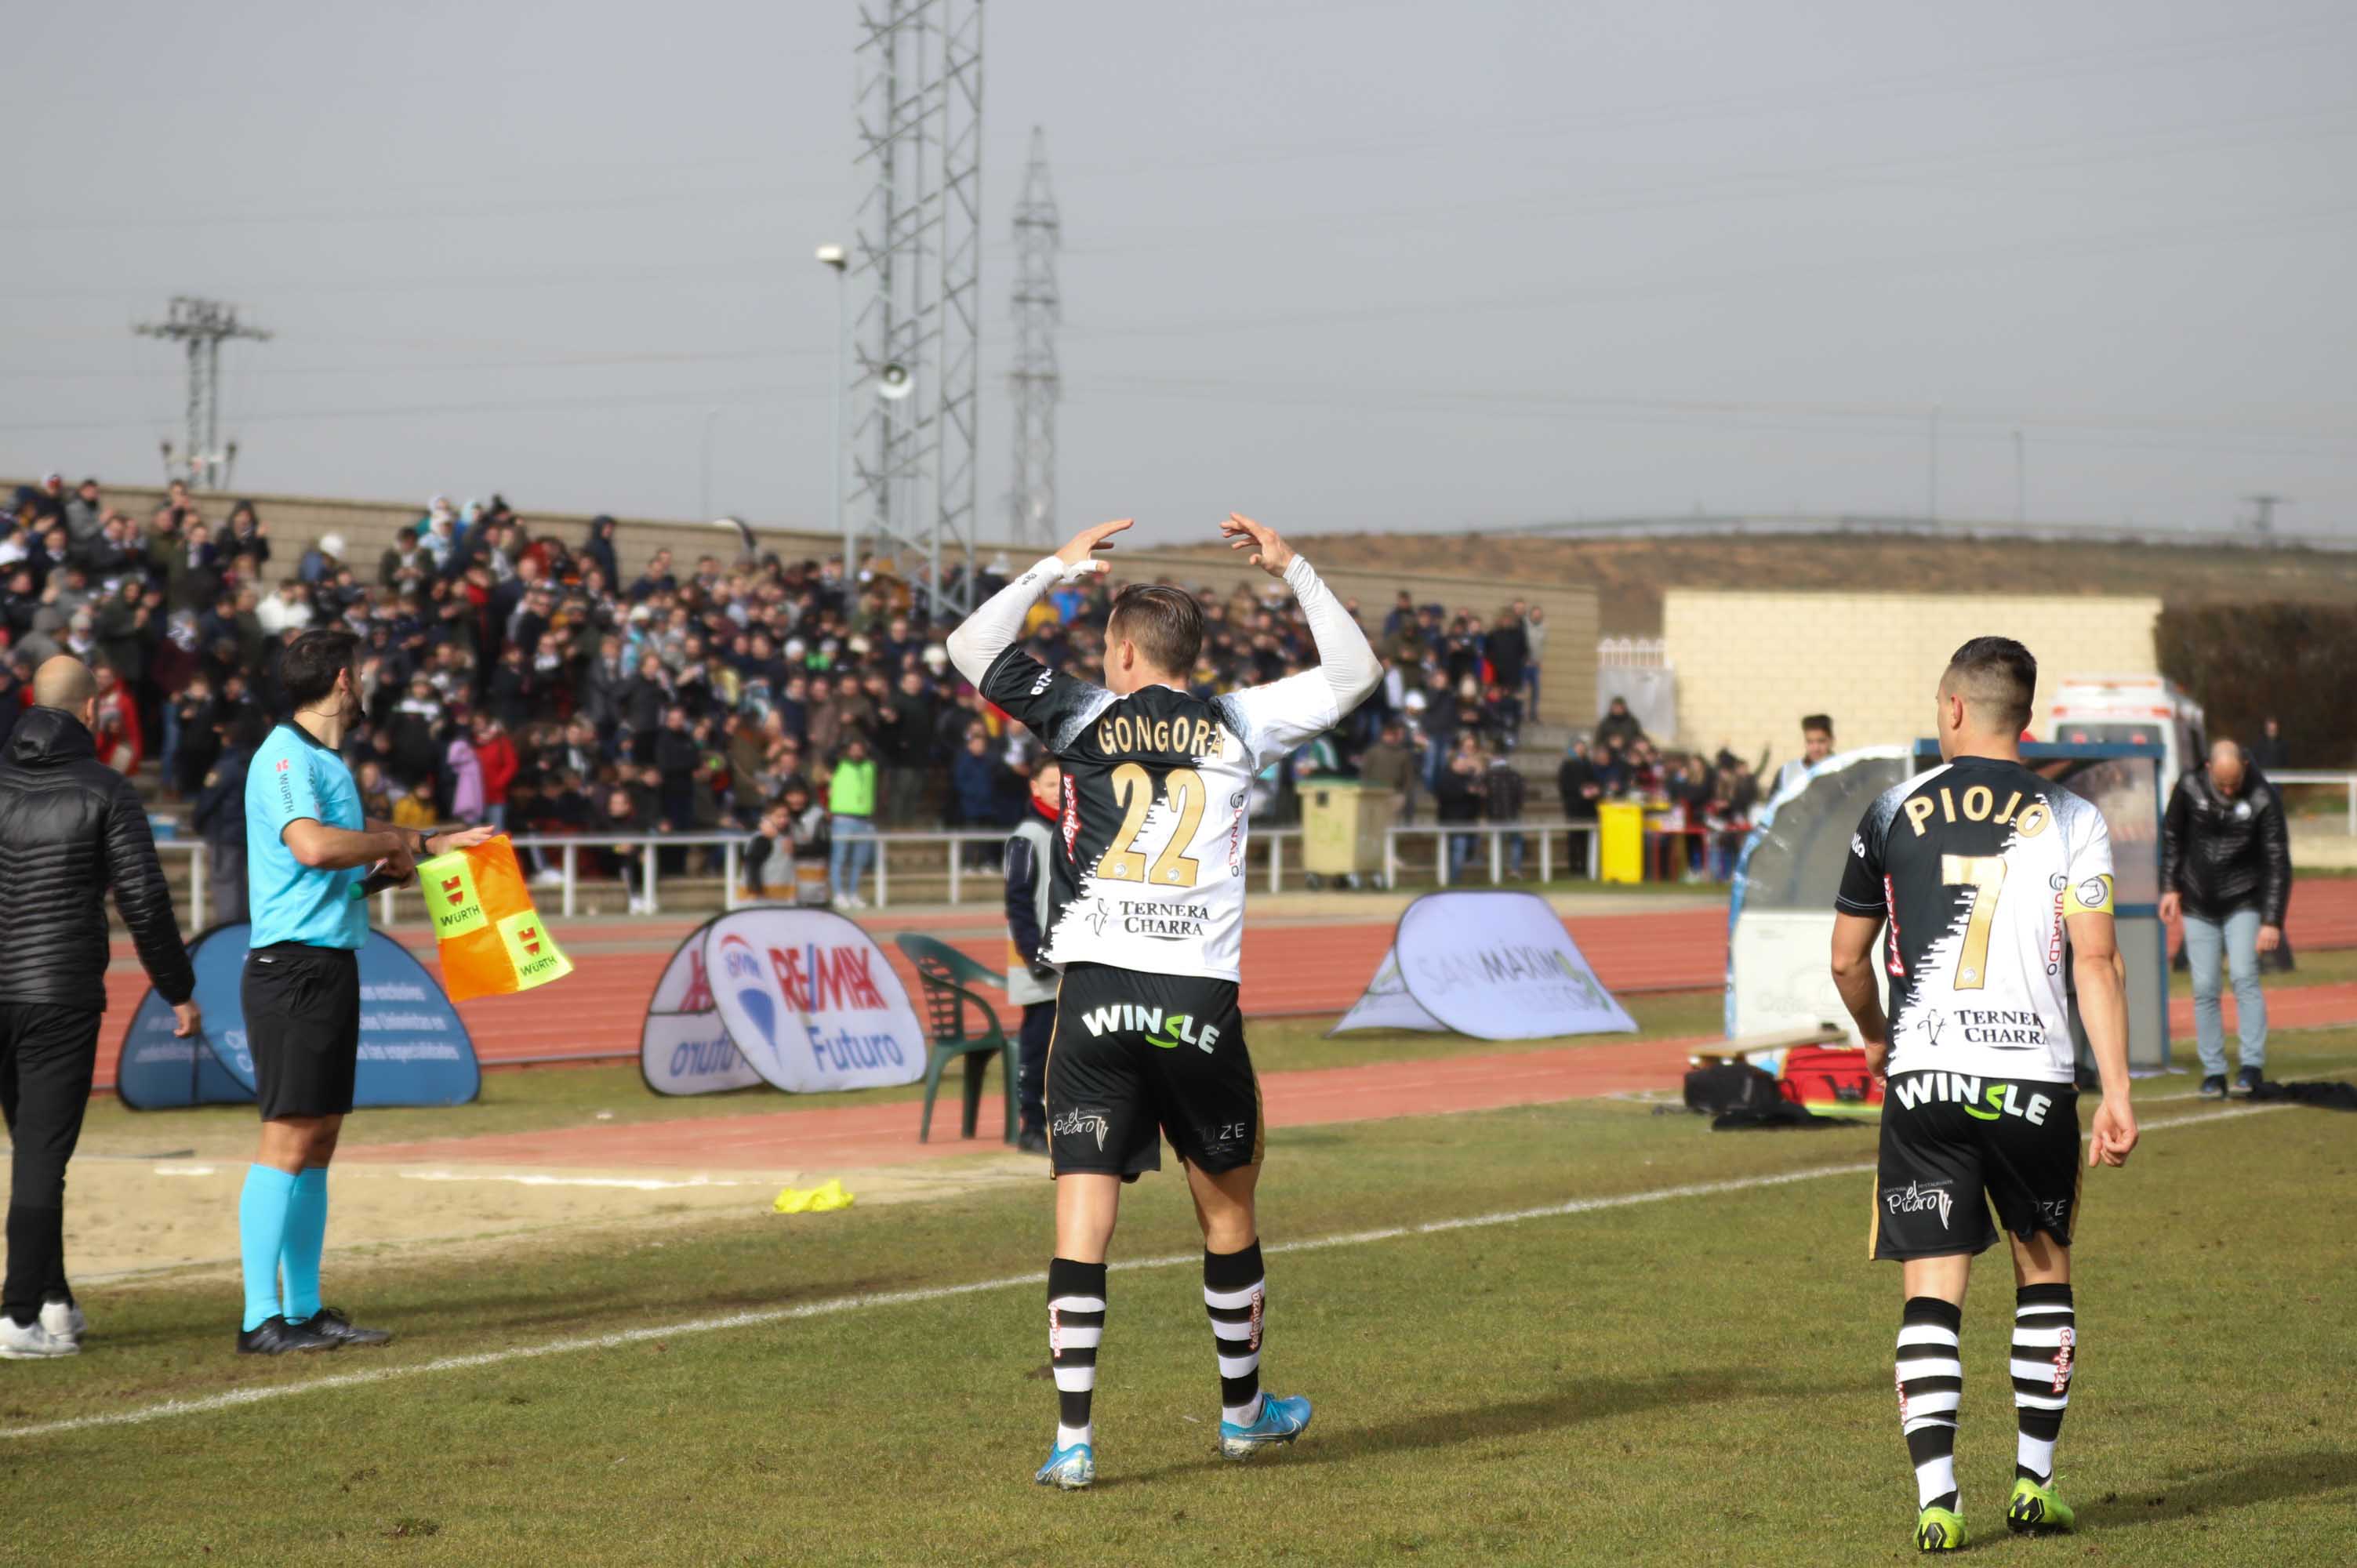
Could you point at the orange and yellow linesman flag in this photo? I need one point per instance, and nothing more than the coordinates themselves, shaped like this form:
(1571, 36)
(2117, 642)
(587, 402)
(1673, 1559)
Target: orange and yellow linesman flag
(491, 938)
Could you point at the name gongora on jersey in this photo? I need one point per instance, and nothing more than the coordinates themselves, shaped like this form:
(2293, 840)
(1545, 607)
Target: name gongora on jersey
(1152, 831)
(1975, 867)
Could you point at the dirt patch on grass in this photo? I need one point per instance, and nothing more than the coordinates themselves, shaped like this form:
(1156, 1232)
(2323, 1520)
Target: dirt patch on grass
(130, 1220)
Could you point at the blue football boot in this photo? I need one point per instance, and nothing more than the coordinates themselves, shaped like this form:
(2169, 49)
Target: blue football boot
(1069, 1469)
(1281, 1421)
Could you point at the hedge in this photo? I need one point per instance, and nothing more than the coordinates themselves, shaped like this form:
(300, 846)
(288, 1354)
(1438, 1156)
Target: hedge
(2244, 664)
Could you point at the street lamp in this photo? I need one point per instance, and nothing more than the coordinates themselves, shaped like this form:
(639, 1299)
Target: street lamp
(839, 260)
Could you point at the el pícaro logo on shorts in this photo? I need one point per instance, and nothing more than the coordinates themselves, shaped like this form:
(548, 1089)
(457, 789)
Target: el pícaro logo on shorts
(1072, 1123)
(1920, 1197)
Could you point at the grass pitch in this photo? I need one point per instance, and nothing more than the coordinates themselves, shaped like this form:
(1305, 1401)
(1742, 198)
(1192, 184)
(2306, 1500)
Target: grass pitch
(1685, 1378)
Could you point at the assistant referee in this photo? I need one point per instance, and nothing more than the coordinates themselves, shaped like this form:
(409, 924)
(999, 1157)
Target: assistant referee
(309, 855)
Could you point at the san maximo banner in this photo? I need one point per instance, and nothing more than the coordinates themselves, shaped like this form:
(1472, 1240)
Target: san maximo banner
(415, 1048)
(1497, 966)
(800, 999)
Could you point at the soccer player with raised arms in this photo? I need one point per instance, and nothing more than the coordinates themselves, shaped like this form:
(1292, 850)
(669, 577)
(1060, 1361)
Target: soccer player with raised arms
(309, 852)
(1146, 917)
(1965, 883)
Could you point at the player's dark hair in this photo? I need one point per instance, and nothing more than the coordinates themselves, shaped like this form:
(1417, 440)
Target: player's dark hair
(1996, 676)
(1166, 623)
(1816, 721)
(309, 668)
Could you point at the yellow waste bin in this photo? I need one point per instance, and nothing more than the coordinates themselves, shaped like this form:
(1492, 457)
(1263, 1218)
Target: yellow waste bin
(1342, 826)
(1620, 842)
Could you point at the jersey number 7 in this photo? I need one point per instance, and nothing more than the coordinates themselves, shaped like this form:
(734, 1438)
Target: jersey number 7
(1133, 787)
(1985, 874)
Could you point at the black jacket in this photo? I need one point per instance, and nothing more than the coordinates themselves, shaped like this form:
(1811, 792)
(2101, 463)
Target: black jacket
(69, 826)
(2223, 855)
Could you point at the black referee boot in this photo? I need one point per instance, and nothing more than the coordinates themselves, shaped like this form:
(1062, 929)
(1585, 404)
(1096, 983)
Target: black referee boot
(275, 1337)
(334, 1326)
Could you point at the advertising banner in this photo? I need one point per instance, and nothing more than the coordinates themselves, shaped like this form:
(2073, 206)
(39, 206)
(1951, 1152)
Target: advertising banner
(1493, 965)
(414, 1049)
(1387, 1004)
(158, 1070)
(811, 1002)
(683, 1047)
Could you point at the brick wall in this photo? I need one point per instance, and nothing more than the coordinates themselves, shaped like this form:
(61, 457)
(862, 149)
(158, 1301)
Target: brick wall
(1568, 670)
(1749, 664)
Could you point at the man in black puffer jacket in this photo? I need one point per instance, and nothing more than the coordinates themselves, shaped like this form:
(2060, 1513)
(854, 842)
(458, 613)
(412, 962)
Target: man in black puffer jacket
(2225, 866)
(69, 825)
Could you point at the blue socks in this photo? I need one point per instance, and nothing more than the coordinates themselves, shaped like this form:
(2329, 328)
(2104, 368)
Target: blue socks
(282, 1219)
(261, 1232)
(305, 1238)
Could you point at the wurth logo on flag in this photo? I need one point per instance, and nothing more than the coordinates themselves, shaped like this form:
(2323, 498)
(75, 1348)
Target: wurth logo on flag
(529, 937)
(451, 886)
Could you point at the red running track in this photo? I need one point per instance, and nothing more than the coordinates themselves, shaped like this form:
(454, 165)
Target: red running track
(867, 1135)
(1290, 968)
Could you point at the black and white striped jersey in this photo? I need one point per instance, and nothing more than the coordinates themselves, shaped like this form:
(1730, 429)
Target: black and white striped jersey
(1148, 859)
(1975, 865)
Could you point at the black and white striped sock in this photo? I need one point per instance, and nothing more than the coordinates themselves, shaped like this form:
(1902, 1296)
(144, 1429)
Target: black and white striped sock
(1236, 1293)
(1076, 1312)
(2045, 1349)
(1931, 1386)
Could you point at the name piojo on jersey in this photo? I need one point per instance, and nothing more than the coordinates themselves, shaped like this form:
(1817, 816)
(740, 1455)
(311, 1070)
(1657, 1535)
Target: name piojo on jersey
(1977, 866)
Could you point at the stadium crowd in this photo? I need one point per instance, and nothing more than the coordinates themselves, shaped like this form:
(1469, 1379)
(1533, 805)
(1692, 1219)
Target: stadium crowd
(515, 676)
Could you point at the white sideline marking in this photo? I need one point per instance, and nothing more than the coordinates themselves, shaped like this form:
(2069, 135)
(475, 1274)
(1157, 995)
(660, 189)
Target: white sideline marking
(946, 1293)
(636, 1184)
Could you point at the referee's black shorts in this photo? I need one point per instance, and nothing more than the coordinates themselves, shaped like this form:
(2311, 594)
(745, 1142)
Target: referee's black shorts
(303, 1028)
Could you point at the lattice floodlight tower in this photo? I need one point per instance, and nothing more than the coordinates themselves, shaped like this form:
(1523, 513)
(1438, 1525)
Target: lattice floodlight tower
(1033, 382)
(919, 112)
(202, 325)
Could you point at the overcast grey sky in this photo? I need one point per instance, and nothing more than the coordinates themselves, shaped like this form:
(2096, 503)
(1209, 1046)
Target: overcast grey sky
(1391, 265)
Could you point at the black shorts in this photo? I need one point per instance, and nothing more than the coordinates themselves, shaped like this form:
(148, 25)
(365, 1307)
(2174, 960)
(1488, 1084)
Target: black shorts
(1949, 1138)
(1136, 1056)
(302, 1027)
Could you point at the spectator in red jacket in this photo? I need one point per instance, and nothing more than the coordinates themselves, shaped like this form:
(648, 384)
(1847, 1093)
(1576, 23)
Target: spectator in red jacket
(497, 754)
(117, 732)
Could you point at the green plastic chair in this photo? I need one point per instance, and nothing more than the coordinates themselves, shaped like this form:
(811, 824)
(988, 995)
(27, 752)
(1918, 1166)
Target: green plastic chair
(944, 974)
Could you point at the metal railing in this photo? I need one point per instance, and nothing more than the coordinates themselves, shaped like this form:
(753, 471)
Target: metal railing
(1497, 834)
(564, 851)
(2348, 781)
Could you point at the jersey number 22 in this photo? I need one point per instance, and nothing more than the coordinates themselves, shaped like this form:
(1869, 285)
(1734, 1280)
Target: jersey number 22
(1133, 787)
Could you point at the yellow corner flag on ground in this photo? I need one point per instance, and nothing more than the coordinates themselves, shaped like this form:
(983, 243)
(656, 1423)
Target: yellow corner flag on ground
(491, 935)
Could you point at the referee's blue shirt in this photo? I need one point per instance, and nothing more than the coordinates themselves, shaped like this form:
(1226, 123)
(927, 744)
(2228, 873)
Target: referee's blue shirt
(293, 777)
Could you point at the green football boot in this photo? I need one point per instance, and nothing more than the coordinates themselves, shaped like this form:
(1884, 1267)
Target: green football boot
(1939, 1530)
(2036, 1511)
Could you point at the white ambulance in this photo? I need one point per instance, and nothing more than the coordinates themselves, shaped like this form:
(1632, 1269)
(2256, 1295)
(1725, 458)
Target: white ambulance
(2129, 710)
